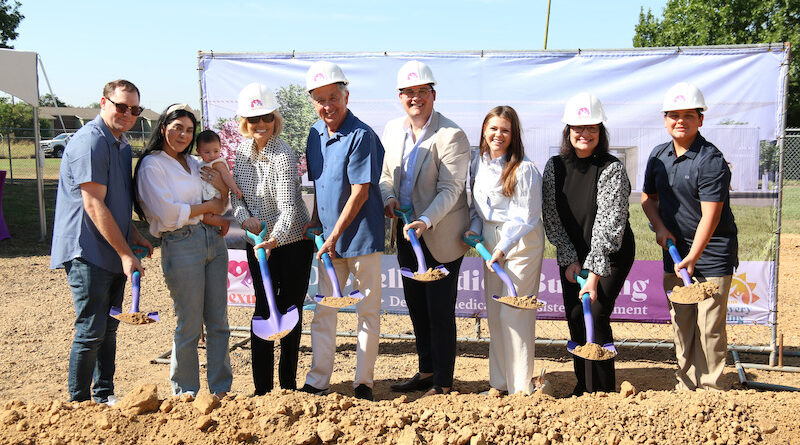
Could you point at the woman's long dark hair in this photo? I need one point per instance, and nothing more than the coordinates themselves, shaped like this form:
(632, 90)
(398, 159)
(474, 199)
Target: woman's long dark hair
(156, 143)
(515, 151)
(567, 151)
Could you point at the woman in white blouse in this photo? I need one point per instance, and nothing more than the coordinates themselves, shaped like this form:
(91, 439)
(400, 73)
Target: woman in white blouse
(266, 171)
(194, 257)
(505, 209)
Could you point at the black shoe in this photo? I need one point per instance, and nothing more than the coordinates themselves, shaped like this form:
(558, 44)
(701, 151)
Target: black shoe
(364, 392)
(415, 384)
(317, 392)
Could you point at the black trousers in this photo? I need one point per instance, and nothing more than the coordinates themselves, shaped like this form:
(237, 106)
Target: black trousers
(603, 375)
(431, 306)
(289, 269)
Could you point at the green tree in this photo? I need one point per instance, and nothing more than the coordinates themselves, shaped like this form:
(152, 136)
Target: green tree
(9, 20)
(298, 116)
(18, 119)
(47, 101)
(718, 22)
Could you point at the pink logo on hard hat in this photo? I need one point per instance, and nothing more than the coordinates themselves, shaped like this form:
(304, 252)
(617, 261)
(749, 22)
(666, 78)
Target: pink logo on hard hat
(319, 76)
(679, 98)
(256, 103)
(412, 75)
(583, 112)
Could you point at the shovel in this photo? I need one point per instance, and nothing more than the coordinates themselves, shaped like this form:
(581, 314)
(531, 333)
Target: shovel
(135, 317)
(277, 325)
(337, 300)
(690, 289)
(422, 273)
(524, 302)
(609, 350)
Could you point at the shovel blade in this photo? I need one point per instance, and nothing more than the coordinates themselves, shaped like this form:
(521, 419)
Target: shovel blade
(406, 272)
(153, 316)
(115, 311)
(275, 328)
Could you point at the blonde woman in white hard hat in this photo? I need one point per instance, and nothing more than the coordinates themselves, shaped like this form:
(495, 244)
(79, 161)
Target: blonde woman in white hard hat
(506, 210)
(585, 209)
(194, 257)
(266, 171)
(686, 198)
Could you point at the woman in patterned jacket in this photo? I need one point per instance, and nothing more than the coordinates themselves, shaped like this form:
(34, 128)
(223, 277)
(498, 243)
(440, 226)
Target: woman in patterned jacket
(266, 171)
(585, 195)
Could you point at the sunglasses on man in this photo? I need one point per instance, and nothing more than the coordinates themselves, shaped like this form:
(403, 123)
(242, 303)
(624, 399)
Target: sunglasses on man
(122, 108)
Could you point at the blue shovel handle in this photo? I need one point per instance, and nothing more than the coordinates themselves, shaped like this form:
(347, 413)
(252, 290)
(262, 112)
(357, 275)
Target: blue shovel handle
(140, 252)
(587, 309)
(476, 242)
(676, 258)
(261, 254)
(315, 232)
(405, 214)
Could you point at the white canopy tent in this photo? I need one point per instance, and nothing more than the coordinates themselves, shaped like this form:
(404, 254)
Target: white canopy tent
(20, 78)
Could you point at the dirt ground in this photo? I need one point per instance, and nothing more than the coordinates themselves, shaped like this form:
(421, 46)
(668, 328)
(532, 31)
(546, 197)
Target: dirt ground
(36, 331)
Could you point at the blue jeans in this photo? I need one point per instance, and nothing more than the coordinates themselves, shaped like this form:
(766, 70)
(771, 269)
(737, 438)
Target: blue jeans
(194, 259)
(94, 348)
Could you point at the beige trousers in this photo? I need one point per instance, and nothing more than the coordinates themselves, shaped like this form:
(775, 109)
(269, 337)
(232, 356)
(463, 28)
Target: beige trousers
(366, 270)
(512, 330)
(701, 341)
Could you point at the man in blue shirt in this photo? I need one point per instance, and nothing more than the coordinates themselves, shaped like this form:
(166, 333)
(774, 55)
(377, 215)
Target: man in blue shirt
(686, 199)
(91, 236)
(344, 159)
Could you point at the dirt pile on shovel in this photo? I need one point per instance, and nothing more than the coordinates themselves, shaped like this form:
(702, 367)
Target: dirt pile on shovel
(522, 302)
(290, 417)
(339, 301)
(432, 274)
(694, 293)
(135, 318)
(593, 351)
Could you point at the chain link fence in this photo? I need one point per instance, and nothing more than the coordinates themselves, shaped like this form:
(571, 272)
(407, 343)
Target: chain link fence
(18, 153)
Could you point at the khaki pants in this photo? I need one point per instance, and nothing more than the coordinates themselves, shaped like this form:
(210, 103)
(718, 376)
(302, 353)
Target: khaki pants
(512, 330)
(701, 341)
(366, 270)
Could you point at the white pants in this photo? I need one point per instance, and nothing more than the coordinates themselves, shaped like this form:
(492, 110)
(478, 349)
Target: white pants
(512, 330)
(366, 270)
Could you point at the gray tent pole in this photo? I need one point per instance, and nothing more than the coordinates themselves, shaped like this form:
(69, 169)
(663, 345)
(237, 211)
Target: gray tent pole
(39, 160)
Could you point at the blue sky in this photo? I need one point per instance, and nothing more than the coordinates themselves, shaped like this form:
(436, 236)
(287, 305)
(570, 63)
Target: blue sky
(154, 43)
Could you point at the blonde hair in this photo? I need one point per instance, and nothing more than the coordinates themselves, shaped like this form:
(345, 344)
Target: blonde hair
(277, 125)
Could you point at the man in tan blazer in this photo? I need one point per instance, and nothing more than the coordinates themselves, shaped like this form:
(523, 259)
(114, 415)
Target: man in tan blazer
(425, 167)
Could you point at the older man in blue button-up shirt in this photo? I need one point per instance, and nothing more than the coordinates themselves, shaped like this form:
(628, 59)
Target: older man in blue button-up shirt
(344, 159)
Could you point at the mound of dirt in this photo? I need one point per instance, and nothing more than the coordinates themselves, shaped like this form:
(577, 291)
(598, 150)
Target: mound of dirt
(291, 417)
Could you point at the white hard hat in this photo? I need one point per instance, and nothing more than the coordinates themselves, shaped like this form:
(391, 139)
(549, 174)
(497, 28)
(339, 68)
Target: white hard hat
(684, 96)
(255, 100)
(583, 109)
(414, 73)
(323, 73)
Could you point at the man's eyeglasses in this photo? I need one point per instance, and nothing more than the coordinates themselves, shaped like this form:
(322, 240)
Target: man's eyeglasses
(418, 92)
(122, 108)
(266, 118)
(592, 129)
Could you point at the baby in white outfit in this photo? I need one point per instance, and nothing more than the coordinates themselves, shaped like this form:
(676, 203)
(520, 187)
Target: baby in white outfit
(208, 147)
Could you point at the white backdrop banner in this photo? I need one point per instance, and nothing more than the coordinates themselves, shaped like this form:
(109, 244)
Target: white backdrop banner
(743, 87)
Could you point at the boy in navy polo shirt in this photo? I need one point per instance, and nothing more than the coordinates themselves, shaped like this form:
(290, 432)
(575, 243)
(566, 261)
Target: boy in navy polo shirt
(686, 199)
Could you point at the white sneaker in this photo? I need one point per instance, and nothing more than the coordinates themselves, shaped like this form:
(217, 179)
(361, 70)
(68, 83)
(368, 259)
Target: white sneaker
(112, 400)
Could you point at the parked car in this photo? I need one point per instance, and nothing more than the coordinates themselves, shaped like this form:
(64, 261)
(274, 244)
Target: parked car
(55, 147)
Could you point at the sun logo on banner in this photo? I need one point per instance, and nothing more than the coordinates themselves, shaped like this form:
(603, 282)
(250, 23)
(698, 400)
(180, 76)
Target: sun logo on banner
(742, 291)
